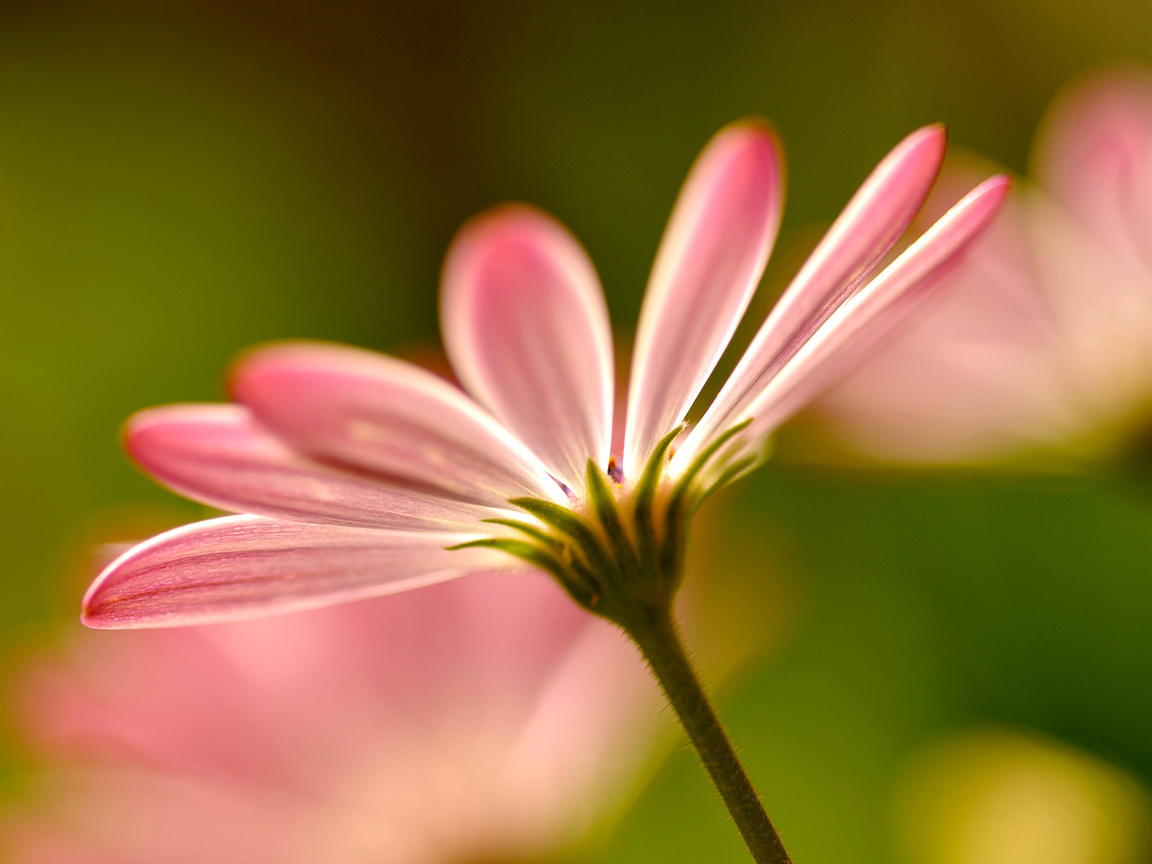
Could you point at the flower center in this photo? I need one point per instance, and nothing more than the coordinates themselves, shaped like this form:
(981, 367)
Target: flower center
(620, 552)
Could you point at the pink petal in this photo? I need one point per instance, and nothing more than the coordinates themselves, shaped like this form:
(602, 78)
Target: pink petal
(175, 819)
(868, 227)
(219, 455)
(378, 414)
(243, 566)
(869, 315)
(597, 693)
(709, 264)
(435, 725)
(989, 369)
(526, 329)
(1095, 157)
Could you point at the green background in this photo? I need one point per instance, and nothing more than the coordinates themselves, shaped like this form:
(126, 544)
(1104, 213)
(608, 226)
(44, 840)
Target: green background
(178, 183)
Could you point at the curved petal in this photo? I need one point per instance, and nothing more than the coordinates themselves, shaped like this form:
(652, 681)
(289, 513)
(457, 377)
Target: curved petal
(869, 226)
(526, 329)
(989, 369)
(243, 566)
(220, 456)
(382, 415)
(709, 264)
(1095, 157)
(858, 323)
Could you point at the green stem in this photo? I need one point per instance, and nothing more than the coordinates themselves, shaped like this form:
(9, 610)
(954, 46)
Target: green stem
(660, 643)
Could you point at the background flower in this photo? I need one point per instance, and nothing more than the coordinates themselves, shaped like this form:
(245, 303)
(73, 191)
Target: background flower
(1042, 340)
(487, 719)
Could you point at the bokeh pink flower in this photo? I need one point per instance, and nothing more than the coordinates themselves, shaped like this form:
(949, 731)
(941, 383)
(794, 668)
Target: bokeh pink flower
(1041, 345)
(361, 475)
(486, 719)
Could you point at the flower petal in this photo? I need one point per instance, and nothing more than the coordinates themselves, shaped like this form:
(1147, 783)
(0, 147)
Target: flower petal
(872, 312)
(866, 317)
(1095, 157)
(990, 368)
(219, 455)
(382, 415)
(243, 566)
(526, 329)
(868, 227)
(709, 264)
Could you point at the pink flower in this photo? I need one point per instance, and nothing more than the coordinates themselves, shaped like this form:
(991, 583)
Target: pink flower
(364, 475)
(1043, 342)
(487, 719)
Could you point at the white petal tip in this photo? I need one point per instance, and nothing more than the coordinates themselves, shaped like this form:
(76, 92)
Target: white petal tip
(986, 199)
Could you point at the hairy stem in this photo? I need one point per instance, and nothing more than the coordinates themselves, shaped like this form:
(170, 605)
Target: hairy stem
(660, 643)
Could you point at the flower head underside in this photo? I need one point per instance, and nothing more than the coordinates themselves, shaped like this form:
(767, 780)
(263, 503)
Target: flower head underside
(356, 474)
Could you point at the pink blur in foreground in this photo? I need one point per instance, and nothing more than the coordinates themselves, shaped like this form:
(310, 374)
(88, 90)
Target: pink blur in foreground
(480, 720)
(1041, 344)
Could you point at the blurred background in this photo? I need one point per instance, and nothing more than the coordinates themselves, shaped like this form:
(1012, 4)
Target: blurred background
(181, 180)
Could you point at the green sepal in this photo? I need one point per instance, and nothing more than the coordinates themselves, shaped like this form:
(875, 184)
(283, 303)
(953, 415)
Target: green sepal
(563, 519)
(575, 580)
(736, 469)
(521, 549)
(558, 516)
(650, 477)
(537, 534)
(604, 503)
(645, 495)
(674, 515)
(705, 457)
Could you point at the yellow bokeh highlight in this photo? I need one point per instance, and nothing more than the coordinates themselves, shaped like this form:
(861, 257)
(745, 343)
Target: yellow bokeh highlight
(1005, 797)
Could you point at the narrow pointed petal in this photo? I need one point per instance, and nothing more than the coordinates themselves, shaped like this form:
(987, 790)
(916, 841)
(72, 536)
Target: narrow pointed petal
(868, 316)
(243, 566)
(381, 415)
(220, 456)
(709, 264)
(861, 321)
(1014, 356)
(879, 212)
(526, 329)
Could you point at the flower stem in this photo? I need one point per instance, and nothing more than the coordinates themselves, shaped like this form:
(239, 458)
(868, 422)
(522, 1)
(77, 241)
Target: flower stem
(660, 643)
